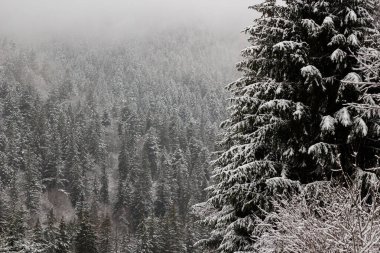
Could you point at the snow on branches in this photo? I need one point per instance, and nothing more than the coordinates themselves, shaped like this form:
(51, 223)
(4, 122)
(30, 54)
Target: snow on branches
(304, 110)
(324, 218)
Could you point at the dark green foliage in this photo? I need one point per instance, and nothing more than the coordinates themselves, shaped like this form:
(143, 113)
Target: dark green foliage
(106, 121)
(104, 195)
(85, 241)
(296, 114)
(51, 232)
(141, 200)
(33, 183)
(4, 211)
(63, 241)
(16, 227)
(172, 236)
(105, 236)
(150, 153)
(38, 233)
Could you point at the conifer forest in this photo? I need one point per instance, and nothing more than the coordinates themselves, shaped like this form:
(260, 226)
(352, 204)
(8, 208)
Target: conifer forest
(201, 126)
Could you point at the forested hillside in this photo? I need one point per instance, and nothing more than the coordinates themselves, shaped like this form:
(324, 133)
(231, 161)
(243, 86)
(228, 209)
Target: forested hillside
(105, 148)
(117, 134)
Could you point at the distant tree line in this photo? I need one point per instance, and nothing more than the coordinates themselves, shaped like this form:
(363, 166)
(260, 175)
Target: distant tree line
(106, 149)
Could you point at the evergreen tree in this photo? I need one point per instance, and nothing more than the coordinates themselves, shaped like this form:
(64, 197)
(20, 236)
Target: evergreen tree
(141, 202)
(150, 153)
(173, 133)
(93, 136)
(291, 119)
(163, 198)
(16, 228)
(105, 239)
(53, 166)
(63, 241)
(6, 171)
(181, 187)
(104, 195)
(33, 183)
(85, 240)
(124, 161)
(4, 211)
(172, 234)
(95, 189)
(93, 212)
(51, 232)
(146, 237)
(106, 121)
(38, 233)
(122, 196)
(76, 171)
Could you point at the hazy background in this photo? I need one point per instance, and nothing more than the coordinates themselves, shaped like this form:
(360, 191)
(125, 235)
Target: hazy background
(35, 20)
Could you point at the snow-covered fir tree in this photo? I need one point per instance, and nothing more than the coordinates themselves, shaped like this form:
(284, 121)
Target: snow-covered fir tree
(63, 241)
(300, 113)
(85, 241)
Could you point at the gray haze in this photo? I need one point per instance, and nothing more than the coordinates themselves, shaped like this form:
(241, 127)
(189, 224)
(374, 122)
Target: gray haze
(34, 20)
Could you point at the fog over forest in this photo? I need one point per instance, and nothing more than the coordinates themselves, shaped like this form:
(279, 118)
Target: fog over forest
(189, 126)
(115, 19)
(110, 114)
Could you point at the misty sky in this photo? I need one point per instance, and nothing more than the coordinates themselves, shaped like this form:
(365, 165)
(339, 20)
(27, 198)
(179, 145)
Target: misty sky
(27, 20)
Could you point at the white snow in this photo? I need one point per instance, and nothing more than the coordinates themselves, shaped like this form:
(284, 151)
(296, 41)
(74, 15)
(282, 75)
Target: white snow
(328, 22)
(337, 40)
(310, 25)
(351, 17)
(311, 73)
(352, 78)
(343, 117)
(353, 40)
(338, 56)
(360, 127)
(328, 124)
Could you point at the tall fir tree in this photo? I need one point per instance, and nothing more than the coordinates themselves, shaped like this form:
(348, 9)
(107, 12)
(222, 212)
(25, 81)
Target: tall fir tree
(150, 153)
(141, 200)
(17, 228)
(85, 241)
(105, 236)
(51, 232)
(63, 240)
(6, 171)
(4, 211)
(291, 118)
(104, 195)
(33, 183)
(172, 236)
(38, 233)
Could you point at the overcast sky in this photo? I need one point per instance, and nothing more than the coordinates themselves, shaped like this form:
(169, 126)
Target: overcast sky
(41, 19)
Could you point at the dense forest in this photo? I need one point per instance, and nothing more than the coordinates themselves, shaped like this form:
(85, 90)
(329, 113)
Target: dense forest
(105, 148)
(133, 145)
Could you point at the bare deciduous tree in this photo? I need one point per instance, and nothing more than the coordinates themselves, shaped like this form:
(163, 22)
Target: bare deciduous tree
(324, 218)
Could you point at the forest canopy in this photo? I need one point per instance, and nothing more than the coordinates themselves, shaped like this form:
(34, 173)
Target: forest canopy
(105, 148)
(122, 129)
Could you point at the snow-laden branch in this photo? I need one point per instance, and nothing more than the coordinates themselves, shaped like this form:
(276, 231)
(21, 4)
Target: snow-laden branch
(326, 219)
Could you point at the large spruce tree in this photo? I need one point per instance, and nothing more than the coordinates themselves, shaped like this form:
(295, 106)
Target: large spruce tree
(85, 241)
(297, 113)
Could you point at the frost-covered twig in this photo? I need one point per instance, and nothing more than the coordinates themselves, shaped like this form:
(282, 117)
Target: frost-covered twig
(327, 219)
